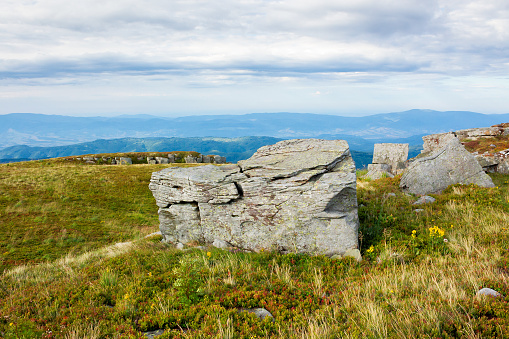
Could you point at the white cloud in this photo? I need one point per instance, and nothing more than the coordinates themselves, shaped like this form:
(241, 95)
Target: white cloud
(204, 44)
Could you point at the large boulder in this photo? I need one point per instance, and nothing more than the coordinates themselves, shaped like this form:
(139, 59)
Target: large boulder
(446, 163)
(294, 196)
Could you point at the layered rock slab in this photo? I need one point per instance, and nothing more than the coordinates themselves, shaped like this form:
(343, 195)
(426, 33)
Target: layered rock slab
(294, 196)
(447, 162)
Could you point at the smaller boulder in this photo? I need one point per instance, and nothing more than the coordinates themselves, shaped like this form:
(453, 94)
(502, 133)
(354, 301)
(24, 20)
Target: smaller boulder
(425, 199)
(489, 292)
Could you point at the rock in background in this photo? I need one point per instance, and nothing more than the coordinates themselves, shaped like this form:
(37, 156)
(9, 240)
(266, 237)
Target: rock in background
(446, 162)
(388, 160)
(294, 196)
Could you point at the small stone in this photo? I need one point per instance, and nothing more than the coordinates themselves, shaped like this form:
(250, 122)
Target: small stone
(354, 253)
(153, 234)
(493, 145)
(218, 243)
(419, 210)
(153, 334)
(425, 199)
(489, 291)
(391, 194)
(261, 313)
(336, 257)
(179, 246)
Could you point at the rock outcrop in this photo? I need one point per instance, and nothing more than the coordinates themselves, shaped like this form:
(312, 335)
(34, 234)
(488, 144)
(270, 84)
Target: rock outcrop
(294, 196)
(447, 162)
(495, 160)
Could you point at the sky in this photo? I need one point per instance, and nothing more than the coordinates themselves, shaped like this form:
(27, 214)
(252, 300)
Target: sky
(188, 57)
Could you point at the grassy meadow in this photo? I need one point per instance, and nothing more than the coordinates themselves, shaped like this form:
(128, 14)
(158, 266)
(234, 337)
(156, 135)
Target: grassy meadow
(75, 264)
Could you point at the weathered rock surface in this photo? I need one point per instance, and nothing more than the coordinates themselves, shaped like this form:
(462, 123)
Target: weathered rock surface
(447, 163)
(394, 155)
(294, 196)
(378, 171)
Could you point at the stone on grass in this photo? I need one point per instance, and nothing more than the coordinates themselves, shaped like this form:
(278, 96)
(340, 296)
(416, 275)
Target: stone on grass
(446, 164)
(261, 313)
(294, 196)
(353, 253)
(488, 292)
(153, 334)
(425, 199)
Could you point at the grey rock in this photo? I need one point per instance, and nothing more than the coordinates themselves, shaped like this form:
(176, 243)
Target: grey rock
(353, 253)
(152, 162)
(425, 199)
(261, 313)
(488, 292)
(113, 162)
(179, 246)
(391, 194)
(88, 158)
(294, 196)
(153, 334)
(218, 243)
(436, 141)
(193, 160)
(125, 161)
(219, 159)
(418, 210)
(162, 160)
(449, 163)
(171, 158)
(394, 155)
(207, 159)
(153, 234)
(378, 171)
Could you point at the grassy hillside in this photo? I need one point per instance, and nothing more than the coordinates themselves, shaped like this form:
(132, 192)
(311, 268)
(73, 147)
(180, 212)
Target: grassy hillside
(418, 279)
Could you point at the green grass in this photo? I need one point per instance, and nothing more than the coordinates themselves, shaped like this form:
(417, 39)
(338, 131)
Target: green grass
(50, 208)
(418, 279)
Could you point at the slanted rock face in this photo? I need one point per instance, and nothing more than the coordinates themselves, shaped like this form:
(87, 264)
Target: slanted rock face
(448, 163)
(294, 196)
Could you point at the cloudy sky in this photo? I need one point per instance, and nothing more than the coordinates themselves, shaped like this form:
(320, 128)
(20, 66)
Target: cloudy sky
(182, 57)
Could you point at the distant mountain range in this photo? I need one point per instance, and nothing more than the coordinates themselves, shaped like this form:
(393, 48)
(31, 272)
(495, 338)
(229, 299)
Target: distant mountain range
(35, 136)
(55, 130)
(234, 149)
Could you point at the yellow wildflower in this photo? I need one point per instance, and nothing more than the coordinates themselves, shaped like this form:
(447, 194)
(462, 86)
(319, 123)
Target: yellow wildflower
(370, 249)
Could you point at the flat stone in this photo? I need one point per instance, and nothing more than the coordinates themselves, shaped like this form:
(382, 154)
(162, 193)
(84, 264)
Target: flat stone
(153, 334)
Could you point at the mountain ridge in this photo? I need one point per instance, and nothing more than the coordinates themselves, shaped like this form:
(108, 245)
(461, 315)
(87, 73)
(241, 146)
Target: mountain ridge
(33, 129)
